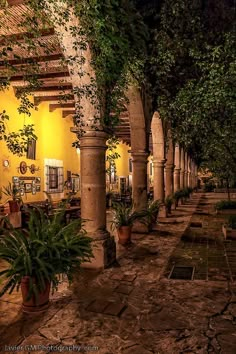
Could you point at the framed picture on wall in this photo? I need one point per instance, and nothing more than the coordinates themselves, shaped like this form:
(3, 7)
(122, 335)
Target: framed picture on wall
(28, 187)
(15, 179)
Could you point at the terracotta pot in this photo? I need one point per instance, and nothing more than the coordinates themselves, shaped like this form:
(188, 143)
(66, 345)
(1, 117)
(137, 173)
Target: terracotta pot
(124, 234)
(32, 305)
(14, 206)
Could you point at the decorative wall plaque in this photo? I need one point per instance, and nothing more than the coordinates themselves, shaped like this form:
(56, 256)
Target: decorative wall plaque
(23, 167)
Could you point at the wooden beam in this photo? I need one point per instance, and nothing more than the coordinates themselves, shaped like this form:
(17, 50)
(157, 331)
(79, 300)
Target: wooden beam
(15, 2)
(30, 60)
(47, 88)
(67, 113)
(59, 99)
(52, 106)
(13, 38)
(50, 75)
(49, 81)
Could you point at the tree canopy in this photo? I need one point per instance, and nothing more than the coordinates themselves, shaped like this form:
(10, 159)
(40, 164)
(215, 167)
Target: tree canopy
(181, 52)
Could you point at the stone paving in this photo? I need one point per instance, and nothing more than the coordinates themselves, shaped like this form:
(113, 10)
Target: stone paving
(133, 307)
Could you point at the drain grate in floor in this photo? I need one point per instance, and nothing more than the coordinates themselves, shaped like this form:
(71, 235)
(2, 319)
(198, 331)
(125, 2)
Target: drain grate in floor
(181, 272)
(195, 224)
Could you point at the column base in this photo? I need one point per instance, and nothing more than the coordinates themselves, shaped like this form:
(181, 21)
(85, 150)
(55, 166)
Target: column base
(104, 251)
(162, 211)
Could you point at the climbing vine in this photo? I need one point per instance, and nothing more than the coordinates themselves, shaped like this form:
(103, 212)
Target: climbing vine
(114, 33)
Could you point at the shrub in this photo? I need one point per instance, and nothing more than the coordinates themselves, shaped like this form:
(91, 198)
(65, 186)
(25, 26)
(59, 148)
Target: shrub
(225, 204)
(232, 221)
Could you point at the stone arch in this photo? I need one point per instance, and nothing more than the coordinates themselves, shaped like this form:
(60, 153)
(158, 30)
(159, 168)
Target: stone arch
(81, 75)
(139, 151)
(137, 120)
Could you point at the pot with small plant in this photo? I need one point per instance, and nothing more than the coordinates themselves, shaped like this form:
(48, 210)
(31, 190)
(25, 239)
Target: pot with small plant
(176, 197)
(38, 257)
(168, 204)
(123, 220)
(229, 229)
(14, 198)
(153, 208)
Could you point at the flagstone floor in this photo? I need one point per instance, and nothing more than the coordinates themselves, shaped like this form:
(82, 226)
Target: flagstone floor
(134, 307)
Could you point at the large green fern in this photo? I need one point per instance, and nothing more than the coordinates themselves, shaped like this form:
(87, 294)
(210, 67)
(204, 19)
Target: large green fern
(47, 250)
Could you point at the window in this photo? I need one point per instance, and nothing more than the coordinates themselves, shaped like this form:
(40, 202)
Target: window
(31, 150)
(54, 177)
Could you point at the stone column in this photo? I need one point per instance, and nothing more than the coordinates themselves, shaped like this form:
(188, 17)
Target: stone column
(159, 185)
(192, 174)
(186, 170)
(169, 167)
(177, 168)
(93, 197)
(182, 166)
(139, 179)
(189, 172)
(158, 157)
(139, 186)
(169, 181)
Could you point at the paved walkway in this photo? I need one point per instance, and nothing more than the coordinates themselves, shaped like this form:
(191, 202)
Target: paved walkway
(133, 307)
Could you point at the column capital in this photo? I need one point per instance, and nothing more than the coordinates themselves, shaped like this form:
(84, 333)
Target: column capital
(159, 162)
(93, 139)
(139, 153)
(139, 156)
(169, 166)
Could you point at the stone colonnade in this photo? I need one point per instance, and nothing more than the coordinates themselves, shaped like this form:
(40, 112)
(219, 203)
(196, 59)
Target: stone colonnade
(174, 169)
(93, 150)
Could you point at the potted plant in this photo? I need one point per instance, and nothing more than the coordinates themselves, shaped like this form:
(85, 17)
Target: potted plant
(229, 229)
(177, 196)
(123, 220)
(14, 197)
(168, 204)
(37, 257)
(152, 211)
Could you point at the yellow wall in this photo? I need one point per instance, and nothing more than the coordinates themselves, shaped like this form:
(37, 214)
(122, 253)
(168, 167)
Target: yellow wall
(54, 142)
(122, 163)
